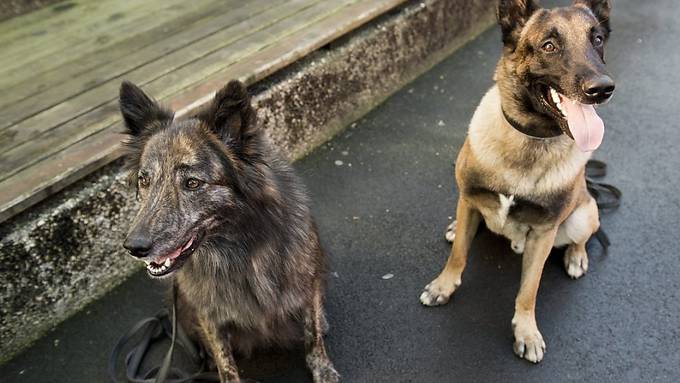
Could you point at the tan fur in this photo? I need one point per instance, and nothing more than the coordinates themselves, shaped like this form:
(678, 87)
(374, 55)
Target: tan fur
(493, 148)
(519, 168)
(498, 148)
(497, 151)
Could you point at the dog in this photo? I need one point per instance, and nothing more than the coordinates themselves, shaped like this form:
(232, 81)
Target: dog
(227, 222)
(522, 166)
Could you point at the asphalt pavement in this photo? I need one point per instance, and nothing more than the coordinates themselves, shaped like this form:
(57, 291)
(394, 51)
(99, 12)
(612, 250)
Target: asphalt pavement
(383, 193)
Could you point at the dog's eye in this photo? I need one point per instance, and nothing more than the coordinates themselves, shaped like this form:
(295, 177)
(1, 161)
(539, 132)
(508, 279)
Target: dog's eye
(193, 183)
(143, 180)
(598, 40)
(549, 47)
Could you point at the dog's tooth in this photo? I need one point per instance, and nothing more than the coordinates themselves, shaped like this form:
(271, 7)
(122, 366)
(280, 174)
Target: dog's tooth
(555, 95)
(168, 262)
(147, 263)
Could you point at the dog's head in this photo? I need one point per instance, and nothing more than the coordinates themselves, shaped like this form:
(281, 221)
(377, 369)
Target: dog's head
(191, 174)
(554, 58)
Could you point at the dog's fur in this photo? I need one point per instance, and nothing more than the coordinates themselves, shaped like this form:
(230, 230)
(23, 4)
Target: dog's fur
(530, 186)
(250, 270)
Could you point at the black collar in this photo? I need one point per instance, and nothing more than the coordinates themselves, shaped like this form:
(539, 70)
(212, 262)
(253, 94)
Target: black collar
(533, 131)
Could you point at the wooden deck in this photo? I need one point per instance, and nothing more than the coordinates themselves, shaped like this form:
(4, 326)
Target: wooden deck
(60, 69)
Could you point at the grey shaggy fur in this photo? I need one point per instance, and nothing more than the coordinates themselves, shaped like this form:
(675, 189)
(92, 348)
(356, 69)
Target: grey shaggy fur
(253, 274)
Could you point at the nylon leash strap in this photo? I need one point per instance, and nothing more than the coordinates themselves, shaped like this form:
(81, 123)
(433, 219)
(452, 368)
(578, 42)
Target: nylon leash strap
(149, 330)
(607, 197)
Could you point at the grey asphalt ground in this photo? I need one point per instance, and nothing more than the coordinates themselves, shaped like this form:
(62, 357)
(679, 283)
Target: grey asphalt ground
(384, 211)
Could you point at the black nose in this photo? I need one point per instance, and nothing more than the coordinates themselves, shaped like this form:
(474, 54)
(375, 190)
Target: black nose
(601, 86)
(138, 244)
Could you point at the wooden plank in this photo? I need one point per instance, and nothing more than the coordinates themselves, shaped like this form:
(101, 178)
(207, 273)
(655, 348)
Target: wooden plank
(57, 172)
(296, 46)
(121, 60)
(37, 182)
(114, 19)
(252, 21)
(241, 50)
(50, 19)
(79, 70)
(26, 147)
(41, 40)
(41, 56)
(50, 176)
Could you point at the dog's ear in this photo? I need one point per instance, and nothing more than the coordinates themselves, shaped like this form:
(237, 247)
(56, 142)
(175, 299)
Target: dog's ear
(232, 116)
(139, 111)
(512, 16)
(600, 8)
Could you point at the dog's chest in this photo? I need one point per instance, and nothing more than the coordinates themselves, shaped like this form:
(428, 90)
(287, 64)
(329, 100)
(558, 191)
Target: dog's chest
(500, 217)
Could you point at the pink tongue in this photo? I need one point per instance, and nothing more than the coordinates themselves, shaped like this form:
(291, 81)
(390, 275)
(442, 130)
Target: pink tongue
(585, 125)
(179, 251)
(174, 254)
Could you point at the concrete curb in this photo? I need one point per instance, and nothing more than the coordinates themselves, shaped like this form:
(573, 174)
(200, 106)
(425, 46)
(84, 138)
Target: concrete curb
(65, 252)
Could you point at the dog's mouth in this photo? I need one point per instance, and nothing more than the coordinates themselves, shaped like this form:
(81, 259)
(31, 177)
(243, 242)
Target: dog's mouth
(167, 264)
(578, 120)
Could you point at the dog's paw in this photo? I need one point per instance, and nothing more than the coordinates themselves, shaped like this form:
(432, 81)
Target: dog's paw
(438, 292)
(322, 370)
(518, 246)
(326, 375)
(529, 343)
(575, 262)
(450, 234)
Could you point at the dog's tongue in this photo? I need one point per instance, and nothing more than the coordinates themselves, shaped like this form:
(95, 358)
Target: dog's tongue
(178, 251)
(585, 125)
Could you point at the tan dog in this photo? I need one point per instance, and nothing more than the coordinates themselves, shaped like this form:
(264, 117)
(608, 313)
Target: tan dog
(521, 168)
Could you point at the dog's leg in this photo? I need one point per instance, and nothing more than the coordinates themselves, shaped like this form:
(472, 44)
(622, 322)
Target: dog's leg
(529, 342)
(439, 291)
(576, 230)
(450, 234)
(220, 348)
(315, 326)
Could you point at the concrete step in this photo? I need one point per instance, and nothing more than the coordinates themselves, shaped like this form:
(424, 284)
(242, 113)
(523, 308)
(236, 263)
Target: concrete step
(65, 252)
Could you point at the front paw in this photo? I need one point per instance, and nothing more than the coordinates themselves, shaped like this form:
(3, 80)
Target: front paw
(529, 343)
(322, 369)
(575, 262)
(438, 292)
(518, 246)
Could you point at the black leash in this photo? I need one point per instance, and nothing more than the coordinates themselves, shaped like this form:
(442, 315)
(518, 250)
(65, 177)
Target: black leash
(607, 197)
(152, 329)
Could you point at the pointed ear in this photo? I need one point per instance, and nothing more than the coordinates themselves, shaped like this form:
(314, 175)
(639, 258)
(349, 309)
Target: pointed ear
(600, 8)
(233, 117)
(139, 111)
(512, 17)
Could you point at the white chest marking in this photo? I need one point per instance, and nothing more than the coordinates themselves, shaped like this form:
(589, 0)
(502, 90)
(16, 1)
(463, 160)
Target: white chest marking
(506, 204)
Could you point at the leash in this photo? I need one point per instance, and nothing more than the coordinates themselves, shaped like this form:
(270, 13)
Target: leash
(607, 197)
(153, 329)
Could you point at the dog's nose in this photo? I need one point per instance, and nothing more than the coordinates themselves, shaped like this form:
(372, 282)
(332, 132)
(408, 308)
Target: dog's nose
(138, 244)
(601, 86)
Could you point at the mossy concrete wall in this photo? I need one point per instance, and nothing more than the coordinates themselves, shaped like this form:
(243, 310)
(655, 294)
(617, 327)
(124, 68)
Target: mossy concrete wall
(65, 252)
